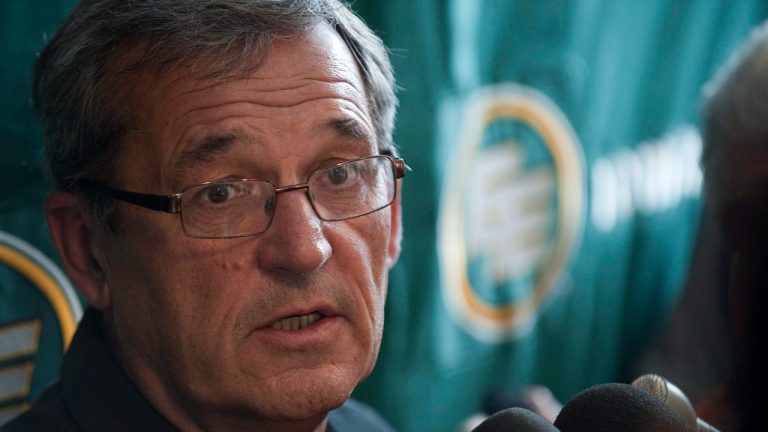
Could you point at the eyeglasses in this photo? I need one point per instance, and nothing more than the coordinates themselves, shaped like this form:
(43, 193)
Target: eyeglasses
(245, 207)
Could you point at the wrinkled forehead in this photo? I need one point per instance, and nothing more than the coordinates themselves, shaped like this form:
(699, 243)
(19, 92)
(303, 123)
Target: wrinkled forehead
(316, 54)
(139, 71)
(307, 82)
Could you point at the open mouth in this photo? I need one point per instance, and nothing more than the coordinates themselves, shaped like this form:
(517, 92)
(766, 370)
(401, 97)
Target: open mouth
(294, 323)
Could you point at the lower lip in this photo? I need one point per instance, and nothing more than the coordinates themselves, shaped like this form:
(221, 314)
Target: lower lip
(324, 330)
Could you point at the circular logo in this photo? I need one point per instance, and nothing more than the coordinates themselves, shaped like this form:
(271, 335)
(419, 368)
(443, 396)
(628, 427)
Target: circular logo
(512, 210)
(47, 278)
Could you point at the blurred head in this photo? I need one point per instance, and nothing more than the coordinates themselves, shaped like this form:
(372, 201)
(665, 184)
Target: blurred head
(735, 157)
(156, 97)
(735, 162)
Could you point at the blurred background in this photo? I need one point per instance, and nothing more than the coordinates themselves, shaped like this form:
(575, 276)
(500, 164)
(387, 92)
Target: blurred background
(551, 216)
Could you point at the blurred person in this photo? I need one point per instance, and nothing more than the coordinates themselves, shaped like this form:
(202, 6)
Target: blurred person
(735, 162)
(227, 200)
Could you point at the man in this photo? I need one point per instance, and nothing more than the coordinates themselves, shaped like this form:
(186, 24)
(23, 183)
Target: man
(227, 200)
(735, 161)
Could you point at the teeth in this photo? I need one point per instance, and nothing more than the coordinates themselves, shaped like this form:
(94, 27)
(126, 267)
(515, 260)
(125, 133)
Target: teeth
(296, 322)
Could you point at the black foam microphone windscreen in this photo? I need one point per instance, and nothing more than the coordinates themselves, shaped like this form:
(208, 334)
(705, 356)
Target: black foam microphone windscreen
(618, 407)
(515, 420)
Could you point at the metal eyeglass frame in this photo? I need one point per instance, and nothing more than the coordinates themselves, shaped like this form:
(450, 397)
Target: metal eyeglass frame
(172, 203)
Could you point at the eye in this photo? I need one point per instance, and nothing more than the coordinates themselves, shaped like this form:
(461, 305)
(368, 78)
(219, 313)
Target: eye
(338, 175)
(218, 194)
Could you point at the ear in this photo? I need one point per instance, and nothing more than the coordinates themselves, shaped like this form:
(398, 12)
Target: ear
(396, 228)
(75, 235)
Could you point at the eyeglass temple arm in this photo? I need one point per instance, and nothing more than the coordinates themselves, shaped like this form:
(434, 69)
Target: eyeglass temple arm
(164, 203)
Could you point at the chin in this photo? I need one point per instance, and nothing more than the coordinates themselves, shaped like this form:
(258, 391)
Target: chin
(305, 394)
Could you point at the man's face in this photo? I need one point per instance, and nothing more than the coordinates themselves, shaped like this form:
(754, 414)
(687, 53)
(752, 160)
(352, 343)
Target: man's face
(191, 318)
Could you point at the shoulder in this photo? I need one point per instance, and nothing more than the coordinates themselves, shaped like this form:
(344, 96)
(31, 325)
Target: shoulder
(357, 416)
(48, 413)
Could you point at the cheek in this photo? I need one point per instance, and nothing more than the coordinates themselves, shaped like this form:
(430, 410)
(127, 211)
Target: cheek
(371, 238)
(174, 281)
(362, 254)
(166, 292)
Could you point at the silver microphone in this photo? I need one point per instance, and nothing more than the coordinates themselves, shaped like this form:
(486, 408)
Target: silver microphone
(674, 398)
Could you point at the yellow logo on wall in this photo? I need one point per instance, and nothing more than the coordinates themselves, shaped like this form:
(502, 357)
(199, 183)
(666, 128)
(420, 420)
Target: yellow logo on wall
(512, 211)
(21, 325)
(46, 277)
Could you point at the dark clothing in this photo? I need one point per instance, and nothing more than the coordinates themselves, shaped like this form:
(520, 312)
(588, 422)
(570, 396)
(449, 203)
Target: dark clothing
(95, 394)
(355, 416)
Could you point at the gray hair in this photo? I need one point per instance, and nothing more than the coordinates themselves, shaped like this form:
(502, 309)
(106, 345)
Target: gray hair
(77, 74)
(735, 111)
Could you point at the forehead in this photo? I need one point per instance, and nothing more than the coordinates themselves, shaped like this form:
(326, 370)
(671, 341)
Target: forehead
(309, 86)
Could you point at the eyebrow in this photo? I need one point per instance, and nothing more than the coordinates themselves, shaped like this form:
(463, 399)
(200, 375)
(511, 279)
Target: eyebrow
(209, 148)
(206, 151)
(347, 127)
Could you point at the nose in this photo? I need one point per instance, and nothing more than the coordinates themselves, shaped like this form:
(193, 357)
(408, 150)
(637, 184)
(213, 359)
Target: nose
(295, 242)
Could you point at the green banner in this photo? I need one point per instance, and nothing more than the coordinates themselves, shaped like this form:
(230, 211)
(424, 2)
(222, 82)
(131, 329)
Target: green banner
(39, 308)
(549, 216)
(555, 191)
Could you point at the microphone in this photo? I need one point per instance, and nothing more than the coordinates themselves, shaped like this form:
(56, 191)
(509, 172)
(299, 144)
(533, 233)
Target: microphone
(618, 407)
(515, 420)
(674, 398)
